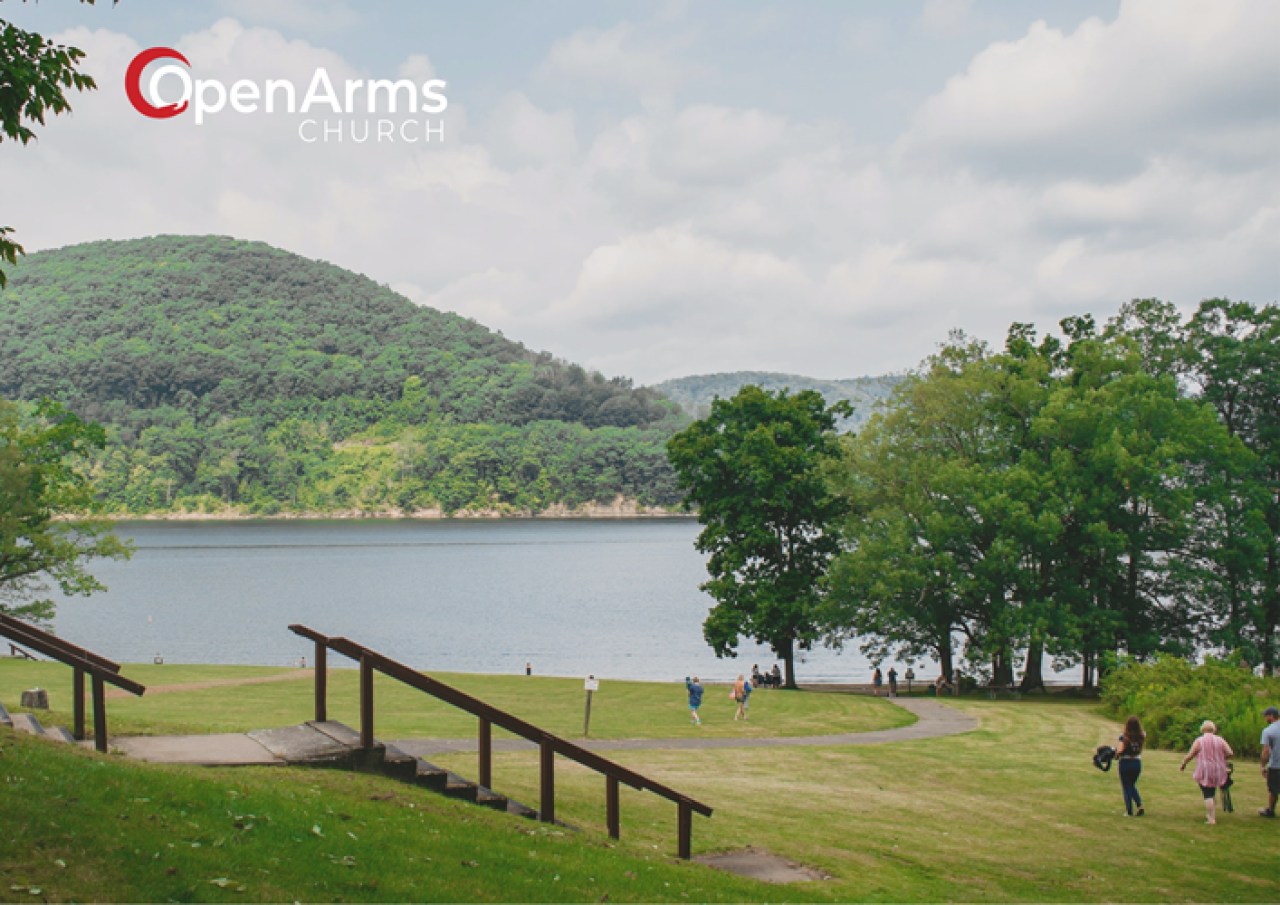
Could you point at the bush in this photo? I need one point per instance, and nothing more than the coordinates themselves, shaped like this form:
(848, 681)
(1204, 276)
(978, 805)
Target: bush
(1172, 697)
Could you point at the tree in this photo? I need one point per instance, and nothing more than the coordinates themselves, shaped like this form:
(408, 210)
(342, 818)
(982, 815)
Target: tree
(39, 490)
(753, 468)
(33, 75)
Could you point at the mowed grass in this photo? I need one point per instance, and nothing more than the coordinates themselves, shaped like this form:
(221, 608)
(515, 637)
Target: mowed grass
(76, 826)
(1014, 811)
(618, 709)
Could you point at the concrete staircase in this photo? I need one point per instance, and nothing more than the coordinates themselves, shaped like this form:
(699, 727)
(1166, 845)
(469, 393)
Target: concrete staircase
(336, 745)
(30, 724)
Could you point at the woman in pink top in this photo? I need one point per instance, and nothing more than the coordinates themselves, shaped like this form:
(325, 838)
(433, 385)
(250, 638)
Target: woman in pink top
(1211, 765)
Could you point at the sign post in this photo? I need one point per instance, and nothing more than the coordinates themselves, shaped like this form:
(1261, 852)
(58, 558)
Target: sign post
(591, 684)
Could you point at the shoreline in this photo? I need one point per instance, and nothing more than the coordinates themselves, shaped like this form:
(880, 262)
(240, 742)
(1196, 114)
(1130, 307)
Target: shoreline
(619, 509)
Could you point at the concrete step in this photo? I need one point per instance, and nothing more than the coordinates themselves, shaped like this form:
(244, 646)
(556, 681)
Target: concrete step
(59, 734)
(27, 722)
(490, 799)
(5, 719)
(398, 765)
(429, 776)
(457, 787)
(521, 810)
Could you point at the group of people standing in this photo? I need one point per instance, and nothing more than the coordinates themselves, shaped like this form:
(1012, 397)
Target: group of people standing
(878, 678)
(740, 694)
(1210, 752)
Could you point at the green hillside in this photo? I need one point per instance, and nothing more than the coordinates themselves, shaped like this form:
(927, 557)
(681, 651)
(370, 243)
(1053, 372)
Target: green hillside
(233, 375)
(695, 394)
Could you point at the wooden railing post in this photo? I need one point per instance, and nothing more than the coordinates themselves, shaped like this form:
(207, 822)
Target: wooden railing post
(366, 703)
(485, 746)
(77, 705)
(99, 715)
(611, 806)
(686, 831)
(547, 813)
(322, 682)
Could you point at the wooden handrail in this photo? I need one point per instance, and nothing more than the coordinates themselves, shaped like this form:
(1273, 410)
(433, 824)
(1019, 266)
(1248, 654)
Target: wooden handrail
(55, 641)
(99, 668)
(549, 743)
(69, 654)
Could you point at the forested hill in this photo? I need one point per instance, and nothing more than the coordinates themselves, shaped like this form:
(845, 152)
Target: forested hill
(694, 394)
(236, 375)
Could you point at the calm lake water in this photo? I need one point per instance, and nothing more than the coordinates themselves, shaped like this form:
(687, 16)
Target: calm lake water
(614, 598)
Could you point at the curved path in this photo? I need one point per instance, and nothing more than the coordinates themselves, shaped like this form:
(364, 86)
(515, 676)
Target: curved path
(933, 720)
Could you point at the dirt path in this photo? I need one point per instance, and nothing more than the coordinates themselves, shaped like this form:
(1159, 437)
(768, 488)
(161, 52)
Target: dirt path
(217, 683)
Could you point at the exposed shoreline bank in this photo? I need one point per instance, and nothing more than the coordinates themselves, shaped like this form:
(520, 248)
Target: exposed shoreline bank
(619, 509)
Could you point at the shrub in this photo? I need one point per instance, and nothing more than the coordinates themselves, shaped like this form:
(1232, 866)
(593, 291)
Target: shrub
(1173, 697)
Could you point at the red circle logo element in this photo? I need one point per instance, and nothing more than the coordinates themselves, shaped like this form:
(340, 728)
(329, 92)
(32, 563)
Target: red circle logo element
(134, 75)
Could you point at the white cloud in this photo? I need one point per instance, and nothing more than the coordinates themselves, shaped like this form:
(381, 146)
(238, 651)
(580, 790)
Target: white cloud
(621, 57)
(1162, 78)
(1054, 175)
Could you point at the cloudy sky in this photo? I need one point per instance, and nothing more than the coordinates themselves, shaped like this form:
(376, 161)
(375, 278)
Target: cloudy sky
(662, 189)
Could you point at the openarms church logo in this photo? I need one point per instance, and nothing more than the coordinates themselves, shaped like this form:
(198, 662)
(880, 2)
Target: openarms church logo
(361, 112)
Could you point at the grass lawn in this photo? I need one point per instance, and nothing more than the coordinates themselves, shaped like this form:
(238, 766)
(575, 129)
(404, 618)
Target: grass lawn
(1011, 812)
(75, 826)
(618, 710)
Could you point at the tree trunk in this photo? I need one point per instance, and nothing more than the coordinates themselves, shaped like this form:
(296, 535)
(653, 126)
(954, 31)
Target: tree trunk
(1033, 672)
(788, 654)
(944, 656)
(1086, 680)
(1002, 668)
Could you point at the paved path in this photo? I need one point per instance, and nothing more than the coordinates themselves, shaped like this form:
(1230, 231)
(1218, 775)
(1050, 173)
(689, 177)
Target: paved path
(279, 746)
(933, 720)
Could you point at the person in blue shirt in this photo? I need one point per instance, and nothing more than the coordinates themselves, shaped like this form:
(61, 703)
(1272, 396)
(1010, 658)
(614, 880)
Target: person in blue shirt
(695, 697)
(1271, 759)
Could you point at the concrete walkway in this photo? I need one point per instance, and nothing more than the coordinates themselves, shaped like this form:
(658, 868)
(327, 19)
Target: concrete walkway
(313, 742)
(932, 721)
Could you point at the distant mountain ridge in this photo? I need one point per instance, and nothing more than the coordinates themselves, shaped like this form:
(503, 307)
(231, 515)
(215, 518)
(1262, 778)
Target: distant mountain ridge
(694, 394)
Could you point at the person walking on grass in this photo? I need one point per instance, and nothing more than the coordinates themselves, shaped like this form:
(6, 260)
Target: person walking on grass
(1129, 754)
(876, 681)
(695, 698)
(1211, 753)
(741, 688)
(893, 682)
(1271, 759)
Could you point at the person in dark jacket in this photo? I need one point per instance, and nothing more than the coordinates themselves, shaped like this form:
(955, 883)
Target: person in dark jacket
(695, 698)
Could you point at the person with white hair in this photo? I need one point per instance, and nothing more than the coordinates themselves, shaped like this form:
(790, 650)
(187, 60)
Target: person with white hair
(1211, 753)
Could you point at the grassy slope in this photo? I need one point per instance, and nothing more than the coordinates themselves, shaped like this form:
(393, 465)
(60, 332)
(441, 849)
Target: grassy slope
(127, 831)
(618, 710)
(1013, 811)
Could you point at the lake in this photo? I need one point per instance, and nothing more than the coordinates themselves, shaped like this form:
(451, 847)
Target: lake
(617, 598)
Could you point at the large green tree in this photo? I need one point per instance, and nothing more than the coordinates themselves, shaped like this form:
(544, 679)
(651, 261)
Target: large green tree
(753, 469)
(35, 75)
(40, 486)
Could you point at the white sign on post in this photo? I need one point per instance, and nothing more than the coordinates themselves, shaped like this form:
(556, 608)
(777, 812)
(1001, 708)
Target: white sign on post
(592, 684)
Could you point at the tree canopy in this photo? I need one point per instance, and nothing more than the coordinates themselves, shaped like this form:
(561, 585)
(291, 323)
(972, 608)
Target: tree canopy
(1102, 492)
(35, 75)
(39, 487)
(235, 374)
(753, 469)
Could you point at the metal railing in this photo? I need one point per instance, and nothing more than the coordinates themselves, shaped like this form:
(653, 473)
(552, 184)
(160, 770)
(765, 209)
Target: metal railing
(85, 662)
(549, 745)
